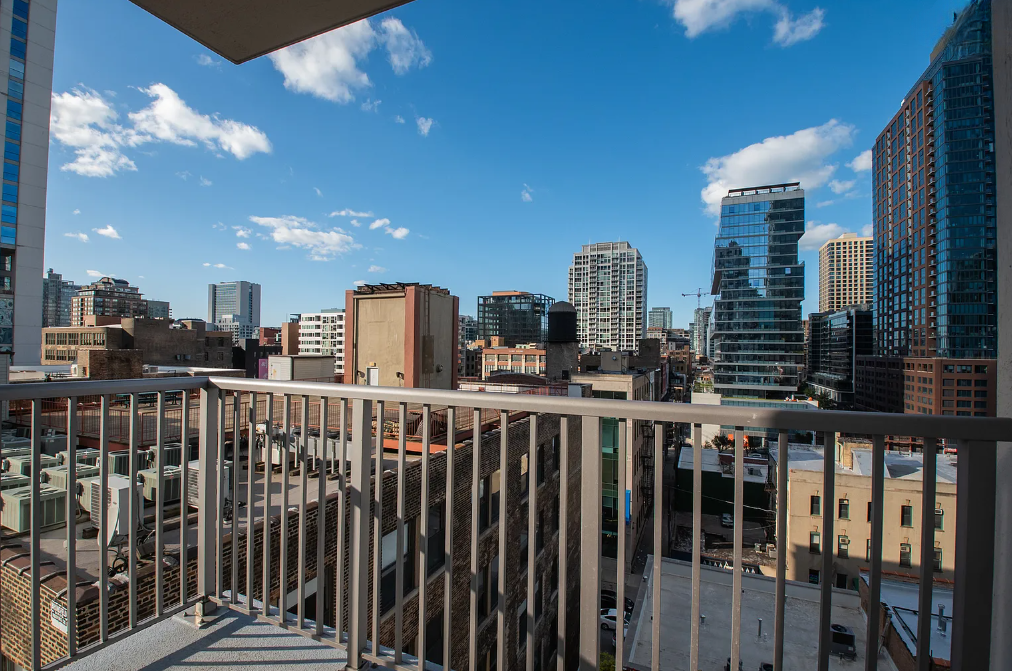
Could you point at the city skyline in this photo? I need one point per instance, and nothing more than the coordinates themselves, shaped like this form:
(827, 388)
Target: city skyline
(410, 179)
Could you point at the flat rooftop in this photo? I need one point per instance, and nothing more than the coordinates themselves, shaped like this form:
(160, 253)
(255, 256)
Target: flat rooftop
(898, 465)
(758, 601)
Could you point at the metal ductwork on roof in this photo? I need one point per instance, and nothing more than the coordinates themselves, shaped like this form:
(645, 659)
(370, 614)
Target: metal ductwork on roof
(241, 30)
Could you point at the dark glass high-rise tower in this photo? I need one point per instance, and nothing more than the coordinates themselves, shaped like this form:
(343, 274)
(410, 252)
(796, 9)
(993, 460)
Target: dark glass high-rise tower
(934, 205)
(517, 317)
(759, 284)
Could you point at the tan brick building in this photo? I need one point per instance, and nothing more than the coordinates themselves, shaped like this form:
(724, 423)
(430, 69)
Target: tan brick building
(846, 277)
(529, 360)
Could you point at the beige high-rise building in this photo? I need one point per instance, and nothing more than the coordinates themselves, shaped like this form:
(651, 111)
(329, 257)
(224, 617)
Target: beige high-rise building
(845, 272)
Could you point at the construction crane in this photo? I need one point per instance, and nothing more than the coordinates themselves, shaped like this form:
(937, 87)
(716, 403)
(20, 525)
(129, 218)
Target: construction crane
(699, 293)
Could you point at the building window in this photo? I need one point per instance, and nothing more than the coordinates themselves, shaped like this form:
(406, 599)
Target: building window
(488, 501)
(844, 511)
(981, 370)
(436, 549)
(843, 547)
(938, 560)
(939, 519)
(869, 511)
(555, 453)
(524, 468)
(816, 505)
(813, 576)
(905, 555)
(906, 516)
(814, 542)
(541, 465)
(522, 626)
(867, 550)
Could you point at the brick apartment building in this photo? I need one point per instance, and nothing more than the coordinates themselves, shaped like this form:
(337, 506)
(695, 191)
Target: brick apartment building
(496, 506)
(108, 297)
(528, 360)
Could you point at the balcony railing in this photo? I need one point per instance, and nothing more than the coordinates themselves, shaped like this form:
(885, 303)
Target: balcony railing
(226, 556)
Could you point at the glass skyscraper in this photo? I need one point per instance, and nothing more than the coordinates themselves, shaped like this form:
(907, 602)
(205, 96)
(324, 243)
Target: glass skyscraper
(518, 317)
(759, 285)
(934, 205)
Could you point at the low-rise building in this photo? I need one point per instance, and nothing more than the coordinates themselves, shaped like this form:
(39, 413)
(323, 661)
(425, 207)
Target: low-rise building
(835, 340)
(529, 360)
(108, 297)
(323, 333)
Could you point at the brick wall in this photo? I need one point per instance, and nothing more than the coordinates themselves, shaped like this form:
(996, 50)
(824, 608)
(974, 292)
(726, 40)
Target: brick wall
(14, 588)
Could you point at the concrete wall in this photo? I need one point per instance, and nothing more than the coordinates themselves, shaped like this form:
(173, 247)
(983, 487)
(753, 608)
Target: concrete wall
(802, 485)
(376, 329)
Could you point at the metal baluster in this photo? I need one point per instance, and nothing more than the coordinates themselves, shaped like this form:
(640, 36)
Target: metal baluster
(875, 576)
(451, 439)
(377, 520)
(285, 467)
(212, 408)
(251, 442)
(103, 522)
(133, 515)
(623, 509)
(423, 537)
(303, 532)
(342, 499)
(532, 555)
(590, 544)
(697, 529)
(236, 467)
(503, 528)
(472, 620)
(219, 465)
(268, 473)
(826, 603)
(399, 551)
(924, 600)
(184, 489)
(739, 493)
(783, 468)
(658, 550)
(358, 584)
(321, 513)
(560, 653)
(72, 526)
(159, 504)
(36, 530)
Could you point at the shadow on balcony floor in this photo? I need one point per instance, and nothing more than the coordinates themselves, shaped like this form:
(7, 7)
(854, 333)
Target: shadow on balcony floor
(234, 640)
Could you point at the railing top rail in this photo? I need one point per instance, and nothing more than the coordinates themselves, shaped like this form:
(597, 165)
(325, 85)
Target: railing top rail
(933, 426)
(31, 390)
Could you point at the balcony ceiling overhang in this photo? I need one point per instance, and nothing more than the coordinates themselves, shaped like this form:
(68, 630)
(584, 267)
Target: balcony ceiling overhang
(241, 30)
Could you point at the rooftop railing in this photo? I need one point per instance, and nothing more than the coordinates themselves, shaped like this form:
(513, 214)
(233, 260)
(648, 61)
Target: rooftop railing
(261, 534)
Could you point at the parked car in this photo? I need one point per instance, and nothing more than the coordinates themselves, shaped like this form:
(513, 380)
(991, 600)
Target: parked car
(726, 520)
(609, 616)
(609, 597)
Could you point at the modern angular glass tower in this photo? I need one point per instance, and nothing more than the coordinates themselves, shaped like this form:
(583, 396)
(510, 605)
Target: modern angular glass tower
(759, 285)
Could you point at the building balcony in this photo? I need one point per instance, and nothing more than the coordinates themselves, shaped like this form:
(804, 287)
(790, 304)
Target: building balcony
(316, 510)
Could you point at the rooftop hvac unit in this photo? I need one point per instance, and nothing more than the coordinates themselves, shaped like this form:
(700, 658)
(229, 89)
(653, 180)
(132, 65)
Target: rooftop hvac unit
(173, 455)
(15, 451)
(23, 464)
(57, 476)
(119, 462)
(85, 455)
(13, 481)
(193, 482)
(117, 501)
(84, 489)
(10, 442)
(172, 477)
(17, 512)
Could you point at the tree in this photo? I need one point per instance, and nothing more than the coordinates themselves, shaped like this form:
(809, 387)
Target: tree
(607, 662)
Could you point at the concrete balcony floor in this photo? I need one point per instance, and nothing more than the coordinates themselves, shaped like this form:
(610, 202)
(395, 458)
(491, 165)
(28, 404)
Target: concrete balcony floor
(233, 640)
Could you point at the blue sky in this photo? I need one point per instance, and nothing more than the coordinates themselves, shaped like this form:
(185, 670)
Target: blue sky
(475, 145)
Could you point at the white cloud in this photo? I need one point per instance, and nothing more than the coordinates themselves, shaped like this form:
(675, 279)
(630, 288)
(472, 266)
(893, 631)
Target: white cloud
(184, 175)
(318, 192)
(824, 203)
(399, 119)
(349, 213)
(327, 66)
(204, 181)
(789, 31)
(299, 232)
(243, 246)
(398, 233)
(97, 274)
(700, 16)
(355, 222)
(87, 123)
(800, 156)
(219, 226)
(371, 105)
(377, 269)
(219, 266)
(359, 283)
(170, 119)
(77, 211)
(379, 223)
(817, 234)
(861, 162)
(527, 194)
(867, 230)
(83, 237)
(108, 232)
(424, 125)
(208, 62)
(838, 186)
(242, 231)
